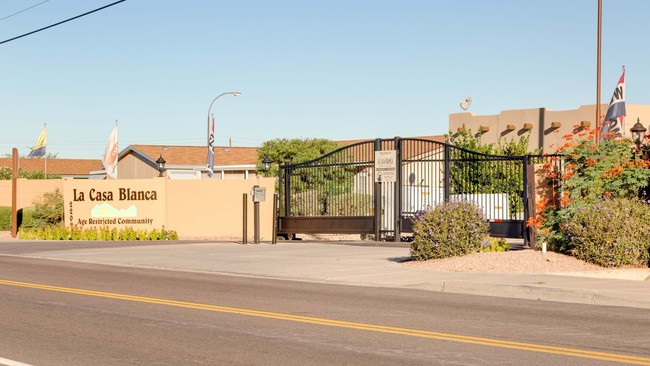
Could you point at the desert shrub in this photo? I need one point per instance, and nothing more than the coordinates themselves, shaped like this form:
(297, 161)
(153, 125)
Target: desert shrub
(450, 229)
(496, 245)
(48, 209)
(610, 232)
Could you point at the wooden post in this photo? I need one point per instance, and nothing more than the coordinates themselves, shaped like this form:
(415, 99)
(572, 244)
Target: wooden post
(14, 187)
(245, 223)
(274, 233)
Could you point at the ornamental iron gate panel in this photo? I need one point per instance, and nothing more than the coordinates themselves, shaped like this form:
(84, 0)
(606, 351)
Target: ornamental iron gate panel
(338, 192)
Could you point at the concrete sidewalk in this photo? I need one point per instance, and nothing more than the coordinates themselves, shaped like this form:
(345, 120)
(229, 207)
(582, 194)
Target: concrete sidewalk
(362, 265)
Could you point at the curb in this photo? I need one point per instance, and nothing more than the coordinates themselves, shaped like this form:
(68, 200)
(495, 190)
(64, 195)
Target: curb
(527, 292)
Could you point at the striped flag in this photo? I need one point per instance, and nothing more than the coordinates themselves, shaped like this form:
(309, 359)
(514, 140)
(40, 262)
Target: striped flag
(211, 149)
(38, 150)
(110, 154)
(613, 123)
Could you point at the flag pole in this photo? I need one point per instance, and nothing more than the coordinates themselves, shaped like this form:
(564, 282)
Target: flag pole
(598, 47)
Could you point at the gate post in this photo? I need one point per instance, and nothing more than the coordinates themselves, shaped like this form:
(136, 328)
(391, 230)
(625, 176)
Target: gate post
(376, 194)
(447, 184)
(287, 188)
(398, 190)
(530, 238)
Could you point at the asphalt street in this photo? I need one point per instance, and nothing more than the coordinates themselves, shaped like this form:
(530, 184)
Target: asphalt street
(72, 312)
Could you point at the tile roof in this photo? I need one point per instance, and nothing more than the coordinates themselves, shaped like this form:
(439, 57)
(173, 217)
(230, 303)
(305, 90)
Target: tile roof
(197, 155)
(56, 166)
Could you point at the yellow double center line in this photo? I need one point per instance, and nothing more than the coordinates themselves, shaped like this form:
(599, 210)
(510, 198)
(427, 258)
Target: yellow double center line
(573, 352)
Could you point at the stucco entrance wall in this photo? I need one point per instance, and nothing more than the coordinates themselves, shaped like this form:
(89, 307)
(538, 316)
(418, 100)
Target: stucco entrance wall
(27, 190)
(196, 209)
(213, 208)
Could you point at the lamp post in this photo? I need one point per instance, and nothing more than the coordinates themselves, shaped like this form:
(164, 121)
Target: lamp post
(266, 165)
(638, 132)
(210, 108)
(161, 165)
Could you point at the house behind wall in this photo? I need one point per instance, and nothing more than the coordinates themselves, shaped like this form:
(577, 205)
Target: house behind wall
(546, 127)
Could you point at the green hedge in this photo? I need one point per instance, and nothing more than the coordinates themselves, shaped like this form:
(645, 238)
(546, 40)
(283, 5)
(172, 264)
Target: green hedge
(74, 233)
(5, 218)
(25, 217)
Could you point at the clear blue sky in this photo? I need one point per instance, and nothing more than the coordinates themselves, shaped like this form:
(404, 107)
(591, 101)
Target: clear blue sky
(337, 69)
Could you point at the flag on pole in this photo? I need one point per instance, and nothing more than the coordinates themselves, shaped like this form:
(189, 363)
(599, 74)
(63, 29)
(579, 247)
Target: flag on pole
(211, 149)
(38, 149)
(110, 155)
(615, 117)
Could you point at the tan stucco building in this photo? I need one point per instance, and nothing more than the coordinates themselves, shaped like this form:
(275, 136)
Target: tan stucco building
(546, 127)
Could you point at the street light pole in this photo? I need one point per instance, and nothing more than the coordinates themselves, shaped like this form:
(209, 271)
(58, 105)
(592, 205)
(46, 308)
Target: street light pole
(598, 52)
(210, 108)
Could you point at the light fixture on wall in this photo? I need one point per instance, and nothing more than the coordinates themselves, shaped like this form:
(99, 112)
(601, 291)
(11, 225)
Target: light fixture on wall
(266, 164)
(638, 132)
(161, 165)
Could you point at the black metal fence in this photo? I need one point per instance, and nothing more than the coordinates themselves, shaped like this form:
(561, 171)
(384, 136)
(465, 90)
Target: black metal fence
(342, 192)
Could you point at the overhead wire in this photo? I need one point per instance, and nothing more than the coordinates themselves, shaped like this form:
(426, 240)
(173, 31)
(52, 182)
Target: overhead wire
(61, 22)
(24, 10)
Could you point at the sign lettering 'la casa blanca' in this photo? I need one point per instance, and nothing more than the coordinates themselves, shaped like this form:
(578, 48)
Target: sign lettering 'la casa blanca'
(139, 204)
(123, 195)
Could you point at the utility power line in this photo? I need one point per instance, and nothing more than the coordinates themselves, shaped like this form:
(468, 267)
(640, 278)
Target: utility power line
(61, 22)
(24, 10)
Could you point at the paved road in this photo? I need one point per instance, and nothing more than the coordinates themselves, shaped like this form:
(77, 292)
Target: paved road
(67, 313)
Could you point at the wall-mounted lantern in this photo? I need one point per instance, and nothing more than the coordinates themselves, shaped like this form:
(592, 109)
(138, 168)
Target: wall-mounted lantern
(266, 164)
(638, 132)
(161, 165)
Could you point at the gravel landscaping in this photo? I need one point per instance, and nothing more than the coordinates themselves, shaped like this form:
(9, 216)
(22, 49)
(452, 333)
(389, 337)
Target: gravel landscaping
(514, 261)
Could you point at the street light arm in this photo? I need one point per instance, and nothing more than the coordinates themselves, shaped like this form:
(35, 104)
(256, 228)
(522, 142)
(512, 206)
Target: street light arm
(210, 108)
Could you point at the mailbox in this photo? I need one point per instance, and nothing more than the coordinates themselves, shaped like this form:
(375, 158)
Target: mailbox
(259, 194)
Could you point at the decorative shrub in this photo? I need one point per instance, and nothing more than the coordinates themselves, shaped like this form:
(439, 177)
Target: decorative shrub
(104, 233)
(612, 168)
(48, 209)
(26, 217)
(450, 229)
(496, 245)
(610, 232)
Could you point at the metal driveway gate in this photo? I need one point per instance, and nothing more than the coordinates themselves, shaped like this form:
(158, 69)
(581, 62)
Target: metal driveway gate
(376, 187)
